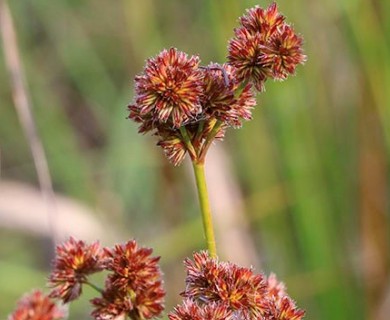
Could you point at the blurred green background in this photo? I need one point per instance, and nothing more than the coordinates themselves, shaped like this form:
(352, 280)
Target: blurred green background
(307, 179)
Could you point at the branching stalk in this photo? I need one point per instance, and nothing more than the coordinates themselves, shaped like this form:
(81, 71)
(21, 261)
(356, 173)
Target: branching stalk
(188, 143)
(209, 140)
(100, 290)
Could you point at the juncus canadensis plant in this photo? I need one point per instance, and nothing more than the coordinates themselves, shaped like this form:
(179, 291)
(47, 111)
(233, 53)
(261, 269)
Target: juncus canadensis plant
(187, 106)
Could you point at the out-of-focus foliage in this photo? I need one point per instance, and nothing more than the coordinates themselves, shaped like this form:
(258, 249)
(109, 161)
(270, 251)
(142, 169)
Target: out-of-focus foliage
(312, 165)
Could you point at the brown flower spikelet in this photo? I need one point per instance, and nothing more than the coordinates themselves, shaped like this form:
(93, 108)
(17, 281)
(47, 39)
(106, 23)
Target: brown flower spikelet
(264, 47)
(174, 91)
(169, 89)
(211, 281)
(283, 53)
(74, 261)
(245, 294)
(219, 101)
(36, 306)
(134, 286)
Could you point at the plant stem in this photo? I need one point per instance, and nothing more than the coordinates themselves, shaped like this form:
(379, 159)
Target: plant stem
(188, 143)
(205, 207)
(209, 140)
(100, 290)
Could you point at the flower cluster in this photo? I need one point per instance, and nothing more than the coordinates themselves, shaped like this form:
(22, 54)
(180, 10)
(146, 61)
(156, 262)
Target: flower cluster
(74, 261)
(187, 106)
(222, 290)
(36, 306)
(265, 46)
(134, 286)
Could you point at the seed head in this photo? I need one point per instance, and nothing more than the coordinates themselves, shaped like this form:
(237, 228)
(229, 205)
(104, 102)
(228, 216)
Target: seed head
(245, 54)
(223, 282)
(219, 100)
(243, 293)
(36, 306)
(283, 53)
(134, 286)
(74, 261)
(265, 46)
(169, 89)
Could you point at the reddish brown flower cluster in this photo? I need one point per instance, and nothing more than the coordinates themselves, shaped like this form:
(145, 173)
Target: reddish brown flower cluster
(188, 106)
(219, 100)
(74, 261)
(168, 92)
(36, 306)
(232, 291)
(174, 94)
(265, 46)
(134, 286)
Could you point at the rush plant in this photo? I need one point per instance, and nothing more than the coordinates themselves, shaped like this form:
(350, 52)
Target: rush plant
(187, 106)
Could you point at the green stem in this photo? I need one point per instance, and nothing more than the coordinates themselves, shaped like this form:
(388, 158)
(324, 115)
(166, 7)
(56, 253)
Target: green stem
(240, 89)
(100, 290)
(209, 140)
(188, 143)
(197, 141)
(205, 207)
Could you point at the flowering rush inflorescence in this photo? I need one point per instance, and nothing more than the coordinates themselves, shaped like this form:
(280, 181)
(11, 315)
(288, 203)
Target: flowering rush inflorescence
(223, 290)
(187, 105)
(133, 286)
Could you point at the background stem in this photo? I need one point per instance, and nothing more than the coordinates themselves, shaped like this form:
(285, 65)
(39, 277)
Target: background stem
(205, 207)
(100, 290)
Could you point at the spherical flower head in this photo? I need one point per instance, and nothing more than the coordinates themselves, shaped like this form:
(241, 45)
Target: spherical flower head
(169, 89)
(134, 286)
(36, 306)
(132, 265)
(245, 54)
(74, 261)
(219, 99)
(190, 310)
(283, 53)
(238, 290)
(265, 46)
(223, 282)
